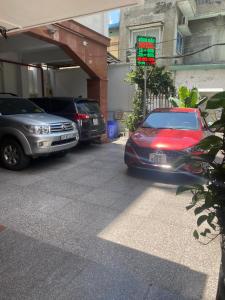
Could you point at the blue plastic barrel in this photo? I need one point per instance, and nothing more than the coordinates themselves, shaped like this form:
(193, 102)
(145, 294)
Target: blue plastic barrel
(112, 129)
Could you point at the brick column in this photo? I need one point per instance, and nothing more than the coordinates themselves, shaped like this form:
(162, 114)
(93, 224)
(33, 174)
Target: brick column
(97, 90)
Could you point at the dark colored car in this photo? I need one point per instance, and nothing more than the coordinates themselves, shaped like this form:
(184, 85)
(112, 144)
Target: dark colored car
(84, 112)
(164, 137)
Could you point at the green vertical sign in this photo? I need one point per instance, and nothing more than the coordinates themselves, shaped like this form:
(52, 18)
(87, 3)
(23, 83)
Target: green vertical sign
(145, 51)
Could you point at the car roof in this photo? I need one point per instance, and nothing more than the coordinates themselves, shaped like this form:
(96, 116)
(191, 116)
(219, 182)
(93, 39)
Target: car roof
(176, 109)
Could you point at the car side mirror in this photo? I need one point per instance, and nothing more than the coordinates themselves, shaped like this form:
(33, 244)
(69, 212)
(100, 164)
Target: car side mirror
(139, 124)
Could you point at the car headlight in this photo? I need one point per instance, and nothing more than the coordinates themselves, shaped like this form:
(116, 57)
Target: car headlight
(38, 129)
(192, 149)
(74, 126)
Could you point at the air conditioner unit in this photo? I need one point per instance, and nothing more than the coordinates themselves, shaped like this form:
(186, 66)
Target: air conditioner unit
(187, 7)
(183, 27)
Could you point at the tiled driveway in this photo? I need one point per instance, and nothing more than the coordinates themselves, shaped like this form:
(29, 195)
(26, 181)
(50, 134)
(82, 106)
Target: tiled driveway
(80, 227)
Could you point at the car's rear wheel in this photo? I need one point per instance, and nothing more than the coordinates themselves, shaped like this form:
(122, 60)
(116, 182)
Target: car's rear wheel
(12, 155)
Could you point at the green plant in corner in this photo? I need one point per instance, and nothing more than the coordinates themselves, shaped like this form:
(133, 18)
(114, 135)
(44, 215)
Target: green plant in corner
(208, 199)
(134, 118)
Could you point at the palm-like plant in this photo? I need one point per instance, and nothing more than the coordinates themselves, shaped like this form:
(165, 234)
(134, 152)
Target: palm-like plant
(187, 98)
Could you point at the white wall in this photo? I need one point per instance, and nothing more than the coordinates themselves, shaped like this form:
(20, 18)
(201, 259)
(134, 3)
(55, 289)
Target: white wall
(120, 93)
(70, 82)
(201, 78)
(97, 22)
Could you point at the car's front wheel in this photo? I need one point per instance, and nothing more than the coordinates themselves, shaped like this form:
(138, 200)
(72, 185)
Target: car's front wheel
(12, 155)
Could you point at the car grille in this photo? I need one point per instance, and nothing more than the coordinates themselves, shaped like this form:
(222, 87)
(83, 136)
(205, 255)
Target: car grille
(143, 153)
(61, 127)
(56, 143)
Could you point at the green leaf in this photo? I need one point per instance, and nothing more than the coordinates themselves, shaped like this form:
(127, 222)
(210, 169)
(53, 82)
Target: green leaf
(174, 101)
(190, 206)
(187, 102)
(183, 93)
(217, 101)
(196, 235)
(213, 226)
(201, 219)
(209, 142)
(199, 210)
(219, 124)
(209, 202)
(206, 231)
(194, 96)
(210, 218)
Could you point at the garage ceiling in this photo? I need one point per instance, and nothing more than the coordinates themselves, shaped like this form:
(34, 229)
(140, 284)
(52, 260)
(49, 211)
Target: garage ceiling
(24, 14)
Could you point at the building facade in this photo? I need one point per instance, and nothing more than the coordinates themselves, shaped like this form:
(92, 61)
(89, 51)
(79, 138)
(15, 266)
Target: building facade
(182, 28)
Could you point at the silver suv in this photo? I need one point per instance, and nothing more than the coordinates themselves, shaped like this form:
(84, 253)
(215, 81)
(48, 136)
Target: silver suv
(26, 132)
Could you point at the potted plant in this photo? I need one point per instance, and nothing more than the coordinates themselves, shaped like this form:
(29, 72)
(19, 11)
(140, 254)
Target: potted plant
(134, 119)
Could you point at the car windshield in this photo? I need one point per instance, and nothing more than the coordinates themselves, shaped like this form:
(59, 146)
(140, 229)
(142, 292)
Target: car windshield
(87, 107)
(15, 106)
(172, 120)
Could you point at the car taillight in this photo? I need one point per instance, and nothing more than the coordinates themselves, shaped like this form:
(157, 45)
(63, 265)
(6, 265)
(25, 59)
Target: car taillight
(81, 117)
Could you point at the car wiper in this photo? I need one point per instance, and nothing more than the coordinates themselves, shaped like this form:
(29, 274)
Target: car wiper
(165, 128)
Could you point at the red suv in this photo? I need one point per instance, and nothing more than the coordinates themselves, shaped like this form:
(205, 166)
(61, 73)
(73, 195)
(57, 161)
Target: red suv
(165, 135)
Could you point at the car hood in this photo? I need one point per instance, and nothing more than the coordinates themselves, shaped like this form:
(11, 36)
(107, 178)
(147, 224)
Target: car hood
(36, 119)
(168, 139)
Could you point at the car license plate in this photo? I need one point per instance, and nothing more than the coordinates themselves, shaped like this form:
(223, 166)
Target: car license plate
(158, 158)
(95, 122)
(66, 136)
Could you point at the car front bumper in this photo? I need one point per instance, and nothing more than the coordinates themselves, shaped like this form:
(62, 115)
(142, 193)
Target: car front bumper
(57, 142)
(132, 159)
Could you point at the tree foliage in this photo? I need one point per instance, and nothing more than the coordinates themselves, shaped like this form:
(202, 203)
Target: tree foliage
(133, 120)
(159, 80)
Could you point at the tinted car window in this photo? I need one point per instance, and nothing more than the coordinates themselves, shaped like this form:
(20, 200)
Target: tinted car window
(87, 107)
(15, 106)
(42, 102)
(62, 106)
(174, 120)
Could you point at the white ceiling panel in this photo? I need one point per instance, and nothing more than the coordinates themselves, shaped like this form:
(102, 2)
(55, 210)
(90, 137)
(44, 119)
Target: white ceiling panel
(29, 13)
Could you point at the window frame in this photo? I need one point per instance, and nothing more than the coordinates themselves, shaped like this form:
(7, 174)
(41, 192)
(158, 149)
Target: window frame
(140, 28)
(178, 50)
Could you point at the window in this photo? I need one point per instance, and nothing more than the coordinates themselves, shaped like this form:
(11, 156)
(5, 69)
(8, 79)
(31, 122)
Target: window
(87, 107)
(180, 43)
(62, 106)
(174, 120)
(146, 31)
(33, 81)
(18, 106)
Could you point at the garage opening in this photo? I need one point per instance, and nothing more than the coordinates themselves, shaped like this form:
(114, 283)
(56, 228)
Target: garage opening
(62, 59)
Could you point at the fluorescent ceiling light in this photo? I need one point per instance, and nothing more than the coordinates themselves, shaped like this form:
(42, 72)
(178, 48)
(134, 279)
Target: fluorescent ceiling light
(71, 67)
